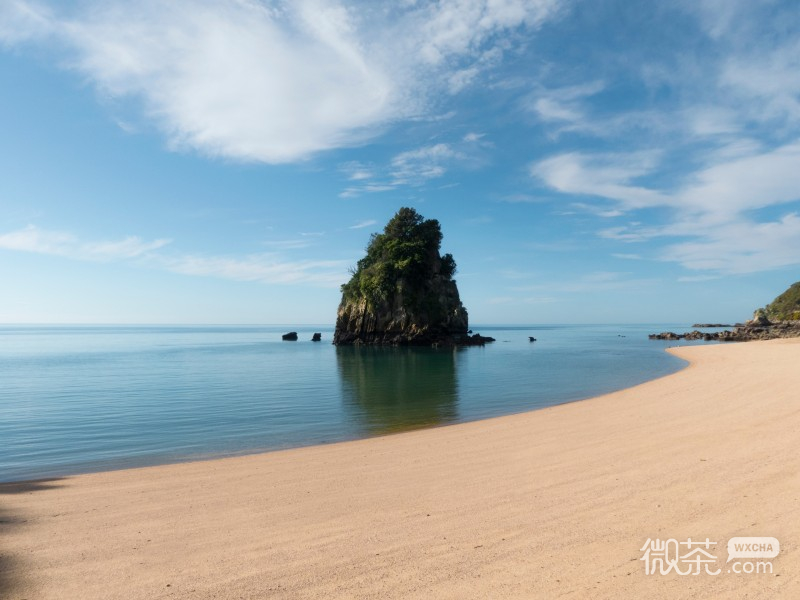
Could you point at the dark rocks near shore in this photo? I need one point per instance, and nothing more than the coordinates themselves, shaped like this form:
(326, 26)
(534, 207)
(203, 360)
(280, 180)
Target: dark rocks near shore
(779, 319)
(317, 337)
(475, 339)
(751, 331)
(289, 337)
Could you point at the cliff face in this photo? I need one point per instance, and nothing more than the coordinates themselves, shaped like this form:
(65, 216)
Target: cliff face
(402, 292)
(400, 321)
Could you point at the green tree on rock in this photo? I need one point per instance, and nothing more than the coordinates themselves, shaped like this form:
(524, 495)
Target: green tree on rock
(406, 254)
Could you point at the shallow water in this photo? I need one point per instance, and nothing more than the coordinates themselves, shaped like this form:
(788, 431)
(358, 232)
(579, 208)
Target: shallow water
(79, 399)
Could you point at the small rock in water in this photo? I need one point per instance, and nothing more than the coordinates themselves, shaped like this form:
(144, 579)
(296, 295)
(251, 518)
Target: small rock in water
(317, 337)
(289, 337)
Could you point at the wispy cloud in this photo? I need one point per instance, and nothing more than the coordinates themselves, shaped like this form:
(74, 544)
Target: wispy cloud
(263, 268)
(564, 104)
(413, 168)
(275, 82)
(418, 166)
(363, 224)
(627, 256)
(610, 176)
(356, 171)
(595, 281)
(40, 241)
(714, 205)
(473, 137)
(22, 21)
(742, 246)
(721, 192)
(268, 267)
(296, 244)
(515, 300)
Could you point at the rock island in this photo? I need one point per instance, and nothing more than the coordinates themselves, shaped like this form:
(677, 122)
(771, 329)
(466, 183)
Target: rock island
(402, 293)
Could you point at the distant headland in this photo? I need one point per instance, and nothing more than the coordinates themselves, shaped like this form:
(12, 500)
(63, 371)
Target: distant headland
(778, 319)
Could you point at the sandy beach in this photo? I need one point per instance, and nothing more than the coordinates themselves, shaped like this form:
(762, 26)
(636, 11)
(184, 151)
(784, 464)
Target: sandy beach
(547, 504)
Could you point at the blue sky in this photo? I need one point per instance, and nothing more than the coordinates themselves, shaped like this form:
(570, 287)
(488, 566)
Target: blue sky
(225, 161)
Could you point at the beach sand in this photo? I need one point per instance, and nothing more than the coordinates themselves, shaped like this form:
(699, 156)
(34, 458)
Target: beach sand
(553, 503)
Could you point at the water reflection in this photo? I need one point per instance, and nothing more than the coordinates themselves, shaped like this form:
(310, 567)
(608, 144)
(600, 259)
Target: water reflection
(395, 389)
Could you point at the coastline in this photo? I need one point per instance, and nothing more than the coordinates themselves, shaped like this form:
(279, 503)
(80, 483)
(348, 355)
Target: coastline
(553, 501)
(203, 393)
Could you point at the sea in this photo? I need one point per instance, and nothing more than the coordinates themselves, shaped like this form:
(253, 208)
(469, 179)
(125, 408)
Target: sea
(77, 399)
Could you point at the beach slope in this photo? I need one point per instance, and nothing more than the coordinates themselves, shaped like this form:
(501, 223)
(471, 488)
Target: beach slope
(552, 503)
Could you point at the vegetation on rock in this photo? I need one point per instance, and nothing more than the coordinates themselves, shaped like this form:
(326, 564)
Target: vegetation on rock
(405, 254)
(785, 307)
(402, 291)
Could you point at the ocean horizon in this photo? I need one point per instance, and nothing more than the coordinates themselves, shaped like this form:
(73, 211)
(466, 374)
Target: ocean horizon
(85, 398)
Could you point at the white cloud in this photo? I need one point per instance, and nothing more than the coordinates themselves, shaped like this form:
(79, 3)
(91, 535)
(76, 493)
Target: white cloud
(369, 188)
(275, 82)
(263, 268)
(356, 171)
(410, 168)
(742, 247)
(716, 191)
(597, 210)
(565, 103)
(712, 206)
(363, 224)
(627, 256)
(596, 281)
(417, 166)
(295, 244)
(452, 29)
(21, 21)
(270, 267)
(698, 278)
(520, 300)
(603, 175)
(34, 239)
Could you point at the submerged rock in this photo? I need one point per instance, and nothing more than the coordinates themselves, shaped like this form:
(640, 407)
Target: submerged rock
(403, 292)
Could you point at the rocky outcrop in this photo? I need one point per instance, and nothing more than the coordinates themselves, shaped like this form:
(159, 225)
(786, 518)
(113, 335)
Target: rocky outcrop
(779, 319)
(289, 337)
(403, 292)
(317, 337)
(749, 332)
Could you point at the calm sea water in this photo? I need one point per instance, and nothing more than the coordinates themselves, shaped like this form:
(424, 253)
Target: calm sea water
(79, 399)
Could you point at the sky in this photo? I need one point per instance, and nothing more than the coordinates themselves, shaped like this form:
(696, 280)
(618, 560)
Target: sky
(225, 161)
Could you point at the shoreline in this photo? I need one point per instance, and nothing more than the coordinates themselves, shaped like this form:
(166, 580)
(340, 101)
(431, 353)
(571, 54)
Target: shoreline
(251, 427)
(261, 452)
(534, 504)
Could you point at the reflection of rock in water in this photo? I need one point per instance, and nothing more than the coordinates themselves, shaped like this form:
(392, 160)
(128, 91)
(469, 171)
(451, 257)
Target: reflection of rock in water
(392, 389)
